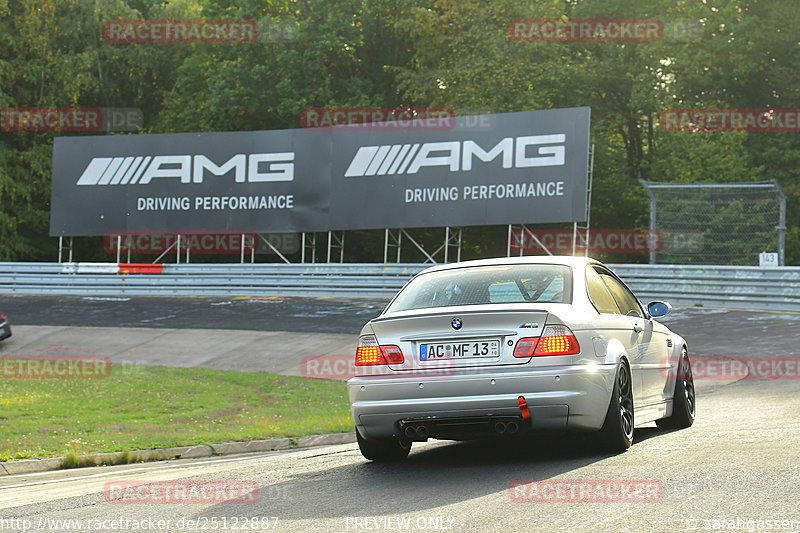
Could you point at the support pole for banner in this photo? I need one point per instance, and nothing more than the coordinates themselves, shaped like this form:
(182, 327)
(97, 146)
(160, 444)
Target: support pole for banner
(420, 248)
(336, 241)
(271, 247)
(589, 202)
(452, 239)
(241, 259)
(523, 231)
(536, 239)
(574, 238)
(119, 247)
(576, 226)
(387, 243)
(61, 248)
(165, 252)
(313, 245)
(178, 249)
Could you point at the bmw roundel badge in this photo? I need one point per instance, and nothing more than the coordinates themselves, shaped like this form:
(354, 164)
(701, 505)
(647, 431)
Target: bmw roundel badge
(456, 323)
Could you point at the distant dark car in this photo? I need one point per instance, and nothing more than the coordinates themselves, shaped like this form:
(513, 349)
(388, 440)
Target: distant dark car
(5, 327)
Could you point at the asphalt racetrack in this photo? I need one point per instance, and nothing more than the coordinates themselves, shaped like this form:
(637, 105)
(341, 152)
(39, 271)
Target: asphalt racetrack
(206, 331)
(736, 469)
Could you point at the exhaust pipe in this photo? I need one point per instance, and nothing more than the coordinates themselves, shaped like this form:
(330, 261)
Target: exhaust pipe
(512, 427)
(499, 428)
(416, 432)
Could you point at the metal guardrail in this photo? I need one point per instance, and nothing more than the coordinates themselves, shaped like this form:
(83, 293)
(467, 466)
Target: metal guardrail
(259, 279)
(716, 286)
(710, 286)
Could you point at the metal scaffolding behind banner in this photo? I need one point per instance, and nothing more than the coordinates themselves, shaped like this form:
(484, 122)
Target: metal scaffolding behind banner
(393, 240)
(517, 233)
(336, 242)
(308, 241)
(586, 228)
(61, 249)
(452, 239)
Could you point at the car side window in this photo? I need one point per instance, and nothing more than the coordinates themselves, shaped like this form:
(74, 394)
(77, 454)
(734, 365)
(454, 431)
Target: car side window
(628, 305)
(599, 294)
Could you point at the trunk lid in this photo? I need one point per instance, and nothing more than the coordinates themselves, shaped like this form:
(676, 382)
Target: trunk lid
(441, 341)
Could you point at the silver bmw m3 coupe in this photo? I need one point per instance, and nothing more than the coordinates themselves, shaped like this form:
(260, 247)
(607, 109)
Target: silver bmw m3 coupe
(509, 346)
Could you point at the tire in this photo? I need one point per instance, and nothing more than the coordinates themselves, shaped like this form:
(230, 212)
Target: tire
(616, 435)
(383, 450)
(683, 398)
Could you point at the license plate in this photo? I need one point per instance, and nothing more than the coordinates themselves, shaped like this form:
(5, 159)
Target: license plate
(461, 349)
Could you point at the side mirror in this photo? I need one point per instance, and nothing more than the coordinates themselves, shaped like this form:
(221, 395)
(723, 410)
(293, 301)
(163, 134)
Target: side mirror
(657, 309)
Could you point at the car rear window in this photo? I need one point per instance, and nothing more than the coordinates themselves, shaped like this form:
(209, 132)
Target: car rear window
(487, 285)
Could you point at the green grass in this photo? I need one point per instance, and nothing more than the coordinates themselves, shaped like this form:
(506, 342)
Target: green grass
(140, 407)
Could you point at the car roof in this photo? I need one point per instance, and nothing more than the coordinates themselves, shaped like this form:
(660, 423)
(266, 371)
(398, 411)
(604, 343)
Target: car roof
(567, 260)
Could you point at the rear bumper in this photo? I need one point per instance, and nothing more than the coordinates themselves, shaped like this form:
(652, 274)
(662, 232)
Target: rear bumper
(572, 397)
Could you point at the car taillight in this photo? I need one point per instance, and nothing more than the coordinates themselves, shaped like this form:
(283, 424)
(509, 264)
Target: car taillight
(370, 353)
(555, 340)
(525, 347)
(393, 354)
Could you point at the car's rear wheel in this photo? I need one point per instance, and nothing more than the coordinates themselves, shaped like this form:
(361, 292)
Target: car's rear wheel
(617, 432)
(390, 449)
(683, 398)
